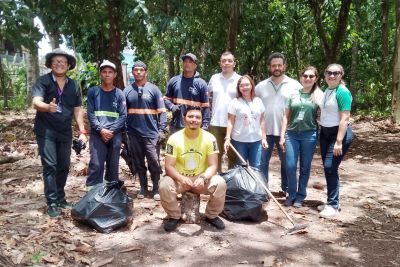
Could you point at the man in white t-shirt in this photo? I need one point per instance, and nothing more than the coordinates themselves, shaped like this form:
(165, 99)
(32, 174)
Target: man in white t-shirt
(222, 90)
(274, 92)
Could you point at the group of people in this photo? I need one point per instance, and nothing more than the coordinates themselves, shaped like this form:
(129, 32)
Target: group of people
(279, 112)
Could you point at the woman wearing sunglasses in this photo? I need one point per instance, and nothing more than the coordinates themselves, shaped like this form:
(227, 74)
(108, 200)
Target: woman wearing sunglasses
(336, 134)
(299, 135)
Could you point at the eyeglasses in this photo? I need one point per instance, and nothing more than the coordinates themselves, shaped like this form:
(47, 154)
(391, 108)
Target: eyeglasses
(311, 76)
(59, 62)
(334, 73)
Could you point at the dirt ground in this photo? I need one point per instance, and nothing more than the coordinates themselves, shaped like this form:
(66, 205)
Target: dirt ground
(367, 232)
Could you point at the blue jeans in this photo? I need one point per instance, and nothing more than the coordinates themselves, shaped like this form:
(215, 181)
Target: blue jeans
(331, 163)
(299, 144)
(249, 151)
(266, 156)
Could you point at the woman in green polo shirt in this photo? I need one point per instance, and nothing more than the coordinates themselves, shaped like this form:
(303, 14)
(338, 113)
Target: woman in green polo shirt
(299, 135)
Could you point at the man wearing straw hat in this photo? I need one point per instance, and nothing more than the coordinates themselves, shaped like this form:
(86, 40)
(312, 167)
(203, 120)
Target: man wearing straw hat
(56, 99)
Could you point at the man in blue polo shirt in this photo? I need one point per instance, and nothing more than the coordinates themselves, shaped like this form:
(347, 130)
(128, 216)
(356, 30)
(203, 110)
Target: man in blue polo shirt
(187, 89)
(146, 127)
(56, 99)
(106, 111)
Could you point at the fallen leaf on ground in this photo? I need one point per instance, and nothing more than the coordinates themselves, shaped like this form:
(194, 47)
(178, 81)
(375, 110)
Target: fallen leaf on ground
(134, 248)
(51, 259)
(102, 262)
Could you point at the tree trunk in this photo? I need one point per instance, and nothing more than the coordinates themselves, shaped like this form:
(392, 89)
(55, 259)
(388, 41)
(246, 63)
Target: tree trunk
(331, 48)
(396, 70)
(171, 65)
(296, 37)
(234, 12)
(354, 51)
(55, 37)
(32, 73)
(385, 30)
(114, 32)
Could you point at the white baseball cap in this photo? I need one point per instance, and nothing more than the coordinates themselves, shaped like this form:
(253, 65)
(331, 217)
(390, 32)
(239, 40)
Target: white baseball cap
(107, 63)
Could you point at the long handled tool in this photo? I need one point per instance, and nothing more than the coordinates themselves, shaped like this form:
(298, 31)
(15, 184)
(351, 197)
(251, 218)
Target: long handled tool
(296, 227)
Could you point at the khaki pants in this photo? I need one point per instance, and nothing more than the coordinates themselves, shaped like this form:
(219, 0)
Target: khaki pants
(169, 189)
(219, 133)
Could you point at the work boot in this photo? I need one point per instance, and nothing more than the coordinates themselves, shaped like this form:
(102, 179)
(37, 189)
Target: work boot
(143, 185)
(171, 224)
(52, 210)
(64, 205)
(156, 179)
(216, 222)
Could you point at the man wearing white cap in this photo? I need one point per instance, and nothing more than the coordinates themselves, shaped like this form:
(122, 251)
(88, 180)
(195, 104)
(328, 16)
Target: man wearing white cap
(56, 99)
(106, 110)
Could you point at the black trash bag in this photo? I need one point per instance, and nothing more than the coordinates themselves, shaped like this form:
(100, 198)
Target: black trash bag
(244, 195)
(105, 208)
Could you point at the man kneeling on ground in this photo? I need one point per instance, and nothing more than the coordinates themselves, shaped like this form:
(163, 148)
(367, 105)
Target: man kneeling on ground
(191, 162)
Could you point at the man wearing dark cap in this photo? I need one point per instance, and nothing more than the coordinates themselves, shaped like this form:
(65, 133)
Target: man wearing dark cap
(146, 127)
(57, 99)
(187, 89)
(106, 111)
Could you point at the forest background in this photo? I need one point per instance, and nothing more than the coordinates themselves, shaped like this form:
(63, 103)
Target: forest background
(362, 35)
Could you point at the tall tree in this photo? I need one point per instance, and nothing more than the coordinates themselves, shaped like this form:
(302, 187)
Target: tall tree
(234, 13)
(114, 33)
(331, 47)
(385, 32)
(396, 70)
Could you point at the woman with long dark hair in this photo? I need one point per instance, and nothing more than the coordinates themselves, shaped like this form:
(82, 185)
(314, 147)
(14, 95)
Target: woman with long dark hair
(299, 135)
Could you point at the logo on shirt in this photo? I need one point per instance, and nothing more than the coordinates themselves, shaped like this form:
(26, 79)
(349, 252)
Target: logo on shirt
(146, 96)
(170, 149)
(215, 147)
(115, 104)
(193, 90)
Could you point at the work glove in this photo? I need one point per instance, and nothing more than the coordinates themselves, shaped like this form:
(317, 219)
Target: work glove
(176, 110)
(162, 137)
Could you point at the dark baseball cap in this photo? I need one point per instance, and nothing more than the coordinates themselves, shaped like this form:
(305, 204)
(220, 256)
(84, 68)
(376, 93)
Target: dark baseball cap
(189, 55)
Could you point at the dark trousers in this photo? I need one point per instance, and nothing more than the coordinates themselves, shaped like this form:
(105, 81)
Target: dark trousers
(142, 148)
(55, 155)
(101, 153)
(331, 163)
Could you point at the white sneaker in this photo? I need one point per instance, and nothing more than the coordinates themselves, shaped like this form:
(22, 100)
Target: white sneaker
(321, 207)
(328, 212)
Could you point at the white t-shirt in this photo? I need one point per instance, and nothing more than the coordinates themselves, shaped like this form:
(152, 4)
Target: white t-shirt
(274, 98)
(334, 101)
(247, 119)
(224, 91)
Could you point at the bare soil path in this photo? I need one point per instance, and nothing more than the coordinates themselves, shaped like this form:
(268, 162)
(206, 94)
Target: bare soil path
(367, 232)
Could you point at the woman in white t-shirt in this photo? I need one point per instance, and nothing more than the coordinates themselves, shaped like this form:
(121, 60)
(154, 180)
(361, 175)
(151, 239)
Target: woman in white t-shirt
(245, 127)
(336, 134)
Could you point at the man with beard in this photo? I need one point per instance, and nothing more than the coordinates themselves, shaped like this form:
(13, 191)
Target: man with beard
(274, 92)
(191, 160)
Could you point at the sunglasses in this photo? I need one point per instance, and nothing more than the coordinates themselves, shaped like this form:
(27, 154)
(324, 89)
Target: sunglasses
(311, 76)
(334, 73)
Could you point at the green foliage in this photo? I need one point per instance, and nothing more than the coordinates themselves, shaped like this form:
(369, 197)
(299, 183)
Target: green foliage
(86, 74)
(37, 258)
(14, 78)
